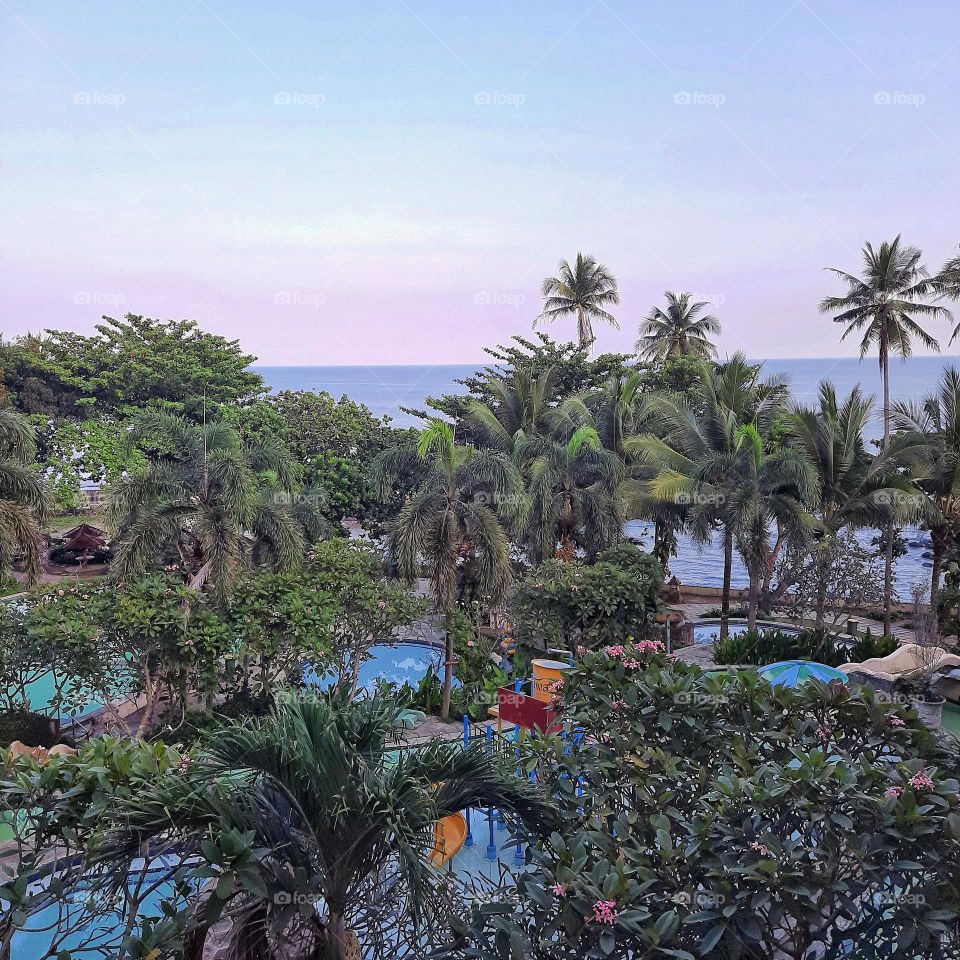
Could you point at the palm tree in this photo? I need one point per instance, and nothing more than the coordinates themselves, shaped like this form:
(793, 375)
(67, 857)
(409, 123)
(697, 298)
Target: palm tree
(451, 516)
(883, 303)
(519, 412)
(337, 834)
(702, 456)
(208, 502)
(948, 282)
(854, 489)
(930, 443)
(767, 490)
(583, 291)
(22, 503)
(573, 488)
(678, 331)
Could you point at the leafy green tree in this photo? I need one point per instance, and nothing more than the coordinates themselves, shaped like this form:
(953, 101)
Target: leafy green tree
(205, 502)
(885, 303)
(22, 502)
(583, 291)
(452, 516)
(930, 444)
(126, 365)
(573, 371)
(70, 451)
(300, 840)
(566, 605)
(678, 331)
(714, 816)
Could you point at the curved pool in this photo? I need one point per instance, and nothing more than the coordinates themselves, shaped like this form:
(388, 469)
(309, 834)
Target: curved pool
(396, 663)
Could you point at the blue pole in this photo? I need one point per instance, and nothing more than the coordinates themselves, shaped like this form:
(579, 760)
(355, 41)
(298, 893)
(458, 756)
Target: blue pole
(468, 842)
(491, 845)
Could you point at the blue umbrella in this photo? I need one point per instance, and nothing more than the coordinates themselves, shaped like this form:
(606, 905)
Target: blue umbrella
(791, 673)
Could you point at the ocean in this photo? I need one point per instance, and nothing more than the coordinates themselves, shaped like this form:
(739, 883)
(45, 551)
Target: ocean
(385, 389)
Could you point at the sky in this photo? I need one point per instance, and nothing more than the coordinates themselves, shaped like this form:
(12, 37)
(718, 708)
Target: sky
(389, 182)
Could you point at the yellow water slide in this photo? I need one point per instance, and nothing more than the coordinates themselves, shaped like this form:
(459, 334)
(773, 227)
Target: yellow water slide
(450, 835)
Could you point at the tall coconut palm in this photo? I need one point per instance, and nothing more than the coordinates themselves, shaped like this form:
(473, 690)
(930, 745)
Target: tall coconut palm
(452, 515)
(573, 488)
(583, 291)
(930, 444)
(327, 835)
(699, 456)
(678, 331)
(948, 282)
(894, 290)
(854, 488)
(206, 502)
(519, 411)
(22, 503)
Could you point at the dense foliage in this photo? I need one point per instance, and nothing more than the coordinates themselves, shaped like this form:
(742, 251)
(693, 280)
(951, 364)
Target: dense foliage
(713, 816)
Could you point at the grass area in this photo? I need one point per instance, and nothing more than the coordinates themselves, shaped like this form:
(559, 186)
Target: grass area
(62, 522)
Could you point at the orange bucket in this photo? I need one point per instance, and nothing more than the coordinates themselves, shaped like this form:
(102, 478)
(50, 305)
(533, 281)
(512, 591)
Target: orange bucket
(545, 674)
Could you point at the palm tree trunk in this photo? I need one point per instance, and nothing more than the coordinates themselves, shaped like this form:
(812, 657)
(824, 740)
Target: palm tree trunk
(938, 541)
(753, 601)
(447, 677)
(888, 551)
(727, 571)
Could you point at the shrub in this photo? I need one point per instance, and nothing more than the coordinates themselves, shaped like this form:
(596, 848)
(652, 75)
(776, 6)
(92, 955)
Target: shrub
(704, 816)
(33, 729)
(760, 647)
(869, 647)
(567, 604)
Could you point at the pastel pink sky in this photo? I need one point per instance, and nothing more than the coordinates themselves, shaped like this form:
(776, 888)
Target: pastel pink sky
(389, 182)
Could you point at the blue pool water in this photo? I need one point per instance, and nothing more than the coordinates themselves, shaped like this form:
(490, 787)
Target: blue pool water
(41, 693)
(98, 938)
(397, 663)
(710, 631)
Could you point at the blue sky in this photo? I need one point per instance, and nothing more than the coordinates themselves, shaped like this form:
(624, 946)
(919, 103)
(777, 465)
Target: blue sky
(388, 182)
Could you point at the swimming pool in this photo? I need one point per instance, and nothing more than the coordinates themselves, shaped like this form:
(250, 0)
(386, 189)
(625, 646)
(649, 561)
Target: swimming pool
(89, 922)
(396, 663)
(42, 693)
(708, 631)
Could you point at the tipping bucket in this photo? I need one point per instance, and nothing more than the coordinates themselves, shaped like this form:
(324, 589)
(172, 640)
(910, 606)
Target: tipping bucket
(545, 673)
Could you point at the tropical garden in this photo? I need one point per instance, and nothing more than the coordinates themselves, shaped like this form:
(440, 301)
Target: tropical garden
(223, 780)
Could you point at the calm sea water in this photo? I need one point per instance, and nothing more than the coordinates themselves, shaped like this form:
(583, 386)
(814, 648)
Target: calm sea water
(385, 389)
